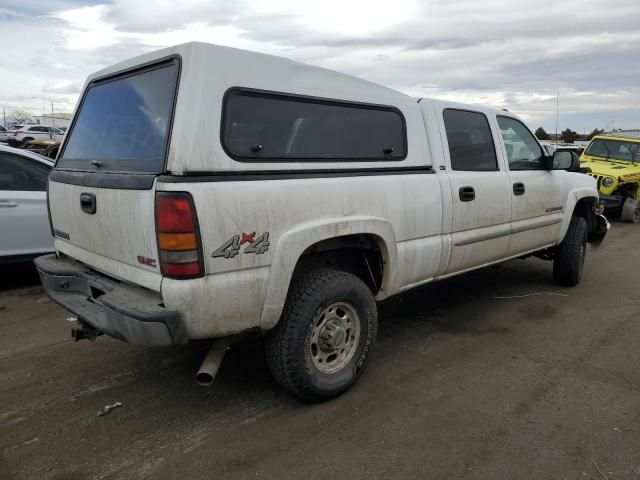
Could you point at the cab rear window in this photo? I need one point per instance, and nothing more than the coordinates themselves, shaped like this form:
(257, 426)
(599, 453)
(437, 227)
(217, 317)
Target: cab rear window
(123, 123)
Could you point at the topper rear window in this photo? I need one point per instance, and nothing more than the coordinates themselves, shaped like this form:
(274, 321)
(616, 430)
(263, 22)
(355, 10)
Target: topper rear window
(123, 123)
(263, 126)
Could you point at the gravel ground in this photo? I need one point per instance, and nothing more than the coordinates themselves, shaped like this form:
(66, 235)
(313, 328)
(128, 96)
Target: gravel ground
(463, 385)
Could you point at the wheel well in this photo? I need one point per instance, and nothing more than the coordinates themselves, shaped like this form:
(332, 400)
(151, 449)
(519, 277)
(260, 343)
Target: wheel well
(584, 208)
(361, 255)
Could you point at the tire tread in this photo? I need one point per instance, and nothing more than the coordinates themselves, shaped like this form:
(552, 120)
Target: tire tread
(567, 264)
(283, 363)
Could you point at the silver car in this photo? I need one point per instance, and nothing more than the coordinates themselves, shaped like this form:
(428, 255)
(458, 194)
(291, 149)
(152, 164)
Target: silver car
(24, 221)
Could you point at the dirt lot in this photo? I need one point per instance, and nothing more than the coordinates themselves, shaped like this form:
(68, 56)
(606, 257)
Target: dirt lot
(463, 385)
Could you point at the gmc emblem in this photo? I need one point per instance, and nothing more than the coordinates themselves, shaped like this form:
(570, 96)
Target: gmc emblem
(150, 262)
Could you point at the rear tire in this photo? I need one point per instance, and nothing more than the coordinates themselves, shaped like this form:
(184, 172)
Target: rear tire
(630, 211)
(568, 263)
(324, 338)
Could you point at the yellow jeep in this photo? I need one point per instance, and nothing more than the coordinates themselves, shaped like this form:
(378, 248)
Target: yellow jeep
(614, 160)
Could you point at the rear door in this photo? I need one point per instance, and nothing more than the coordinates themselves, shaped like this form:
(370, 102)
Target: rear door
(101, 191)
(481, 209)
(23, 209)
(537, 194)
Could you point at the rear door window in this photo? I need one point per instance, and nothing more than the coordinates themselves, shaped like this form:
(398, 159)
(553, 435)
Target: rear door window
(470, 141)
(123, 123)
(271, 126)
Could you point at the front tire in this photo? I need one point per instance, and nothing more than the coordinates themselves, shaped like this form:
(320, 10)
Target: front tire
(568, 263)
(630, 211)
(325, 335)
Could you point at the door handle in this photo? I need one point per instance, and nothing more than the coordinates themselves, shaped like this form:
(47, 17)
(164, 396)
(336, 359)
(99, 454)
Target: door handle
(518, 188)
(7, 204)
(467, 194)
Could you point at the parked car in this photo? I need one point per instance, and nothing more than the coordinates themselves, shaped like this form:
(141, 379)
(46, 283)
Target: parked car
(23, 206)
(3, 134)
(31, 132)
(571, 147)
(310, 196)
(614, 161)
(548, 148)
(47, 148)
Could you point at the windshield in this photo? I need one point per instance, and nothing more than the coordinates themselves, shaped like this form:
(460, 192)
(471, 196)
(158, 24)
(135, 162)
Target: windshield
(123, 124)
(614, 149)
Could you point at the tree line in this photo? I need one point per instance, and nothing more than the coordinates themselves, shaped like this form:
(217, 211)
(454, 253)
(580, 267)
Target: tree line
(568, 135)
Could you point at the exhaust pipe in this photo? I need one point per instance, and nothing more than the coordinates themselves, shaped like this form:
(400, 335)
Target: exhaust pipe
(211, 362)
(81, 330)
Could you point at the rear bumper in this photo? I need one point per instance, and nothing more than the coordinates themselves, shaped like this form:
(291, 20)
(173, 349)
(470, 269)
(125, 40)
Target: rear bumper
(120, 310)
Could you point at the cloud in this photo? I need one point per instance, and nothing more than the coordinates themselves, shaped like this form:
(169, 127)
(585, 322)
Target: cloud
(64, 86)
(515, 55)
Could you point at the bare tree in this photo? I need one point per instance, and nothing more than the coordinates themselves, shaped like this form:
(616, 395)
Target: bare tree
(20, 116)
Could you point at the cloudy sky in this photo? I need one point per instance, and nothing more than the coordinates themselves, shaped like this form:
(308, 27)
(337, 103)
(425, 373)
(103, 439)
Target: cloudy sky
(513, 54)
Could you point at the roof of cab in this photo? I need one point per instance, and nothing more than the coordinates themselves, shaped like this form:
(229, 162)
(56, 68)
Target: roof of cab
(633, 135)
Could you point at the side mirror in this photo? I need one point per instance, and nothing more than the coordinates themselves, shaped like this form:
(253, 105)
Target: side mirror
(563, 160)
(579, 151)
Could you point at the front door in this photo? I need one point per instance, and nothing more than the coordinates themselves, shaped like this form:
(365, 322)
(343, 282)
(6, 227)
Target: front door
(481, 203)
(537, 195)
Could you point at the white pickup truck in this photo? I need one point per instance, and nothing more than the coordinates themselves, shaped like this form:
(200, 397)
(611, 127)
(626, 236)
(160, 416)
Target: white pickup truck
(204, 192)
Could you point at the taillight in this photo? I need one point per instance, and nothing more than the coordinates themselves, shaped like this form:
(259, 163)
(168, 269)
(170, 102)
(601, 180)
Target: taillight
(178, 237)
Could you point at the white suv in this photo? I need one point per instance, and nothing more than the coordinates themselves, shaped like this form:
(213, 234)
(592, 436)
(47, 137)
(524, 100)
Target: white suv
(303, 198)
(24, 133)
(3, 134)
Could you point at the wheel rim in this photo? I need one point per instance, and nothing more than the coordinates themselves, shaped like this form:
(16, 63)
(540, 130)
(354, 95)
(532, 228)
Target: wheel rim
(334, 337)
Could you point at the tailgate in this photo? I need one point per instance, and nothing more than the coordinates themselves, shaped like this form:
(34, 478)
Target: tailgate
(119, 239)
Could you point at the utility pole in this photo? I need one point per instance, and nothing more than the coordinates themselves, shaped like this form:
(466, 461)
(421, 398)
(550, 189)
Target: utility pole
(4, 117)
(53, 120)
(557, 113)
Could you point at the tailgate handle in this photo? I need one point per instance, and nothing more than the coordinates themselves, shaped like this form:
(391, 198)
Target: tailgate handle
(88, 202)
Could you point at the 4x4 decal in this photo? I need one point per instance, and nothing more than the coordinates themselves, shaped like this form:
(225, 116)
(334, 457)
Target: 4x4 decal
(231, 247)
